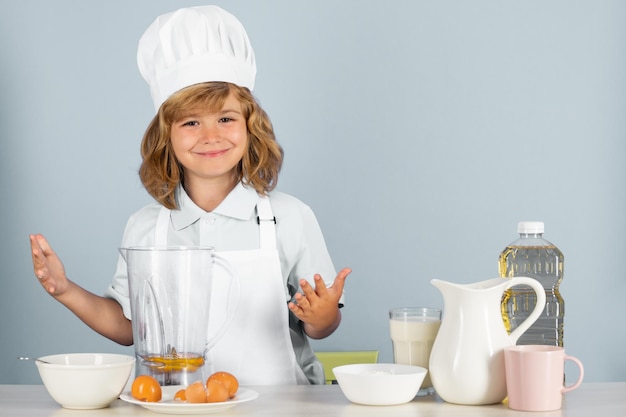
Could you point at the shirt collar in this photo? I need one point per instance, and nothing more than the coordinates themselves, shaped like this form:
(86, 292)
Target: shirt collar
(238, 204)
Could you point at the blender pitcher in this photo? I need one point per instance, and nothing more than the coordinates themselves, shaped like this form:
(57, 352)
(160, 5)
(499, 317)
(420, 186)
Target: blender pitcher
(170, 298)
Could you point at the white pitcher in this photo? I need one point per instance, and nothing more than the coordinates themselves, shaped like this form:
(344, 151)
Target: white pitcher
(467, 360)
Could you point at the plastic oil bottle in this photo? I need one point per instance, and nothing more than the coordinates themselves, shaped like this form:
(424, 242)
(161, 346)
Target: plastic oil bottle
(533, 256)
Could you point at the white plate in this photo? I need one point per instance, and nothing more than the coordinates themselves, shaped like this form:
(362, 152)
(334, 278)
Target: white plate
(167, 405)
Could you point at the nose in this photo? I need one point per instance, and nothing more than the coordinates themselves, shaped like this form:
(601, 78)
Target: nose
(209, 134)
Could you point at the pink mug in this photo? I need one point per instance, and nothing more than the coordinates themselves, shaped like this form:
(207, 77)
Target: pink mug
(535, 376)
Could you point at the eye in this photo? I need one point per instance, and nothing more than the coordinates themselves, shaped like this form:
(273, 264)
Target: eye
(189, 123)
(225, 119)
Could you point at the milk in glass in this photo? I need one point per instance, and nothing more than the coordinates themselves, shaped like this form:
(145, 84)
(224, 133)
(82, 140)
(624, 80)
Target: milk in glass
(413, 339)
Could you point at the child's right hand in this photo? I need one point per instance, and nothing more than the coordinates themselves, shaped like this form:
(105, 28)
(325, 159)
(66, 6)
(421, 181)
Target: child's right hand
(47, 266)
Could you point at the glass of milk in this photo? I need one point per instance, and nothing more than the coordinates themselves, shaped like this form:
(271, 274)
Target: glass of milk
(413, 331)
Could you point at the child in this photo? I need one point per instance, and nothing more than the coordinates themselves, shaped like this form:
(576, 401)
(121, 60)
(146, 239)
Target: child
(211, 161)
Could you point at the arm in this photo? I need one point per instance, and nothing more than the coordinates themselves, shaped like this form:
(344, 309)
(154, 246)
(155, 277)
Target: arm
(104, 315)
(318, 307)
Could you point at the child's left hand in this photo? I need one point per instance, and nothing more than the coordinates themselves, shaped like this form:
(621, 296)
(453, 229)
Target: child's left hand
(318, 307)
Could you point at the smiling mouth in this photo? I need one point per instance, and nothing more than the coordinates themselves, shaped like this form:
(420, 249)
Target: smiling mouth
(212, 154)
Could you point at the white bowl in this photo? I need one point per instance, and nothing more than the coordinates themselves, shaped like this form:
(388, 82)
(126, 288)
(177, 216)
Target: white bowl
(379, 383)
(85, 380)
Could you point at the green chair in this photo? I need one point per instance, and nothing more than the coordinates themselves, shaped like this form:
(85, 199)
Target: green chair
(331, 359)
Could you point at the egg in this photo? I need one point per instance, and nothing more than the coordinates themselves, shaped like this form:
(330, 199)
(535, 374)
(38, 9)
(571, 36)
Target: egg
(180, 395)
(146, 388)
(196, 393)
(216, 392)
(228, 380)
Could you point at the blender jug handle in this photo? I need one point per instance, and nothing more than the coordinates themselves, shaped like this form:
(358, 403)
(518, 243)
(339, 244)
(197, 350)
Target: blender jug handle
(151, 340)
(233, 289)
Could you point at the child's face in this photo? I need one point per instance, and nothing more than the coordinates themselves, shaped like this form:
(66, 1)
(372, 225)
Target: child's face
(210, 145)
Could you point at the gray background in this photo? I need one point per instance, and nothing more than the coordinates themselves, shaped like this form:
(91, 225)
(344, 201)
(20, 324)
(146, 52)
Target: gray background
(420, 132)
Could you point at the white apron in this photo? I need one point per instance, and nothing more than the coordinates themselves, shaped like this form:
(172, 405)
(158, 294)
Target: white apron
(257, 346)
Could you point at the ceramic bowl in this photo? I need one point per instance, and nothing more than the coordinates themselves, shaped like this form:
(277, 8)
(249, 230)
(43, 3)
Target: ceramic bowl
(85, 380)
(379, 383)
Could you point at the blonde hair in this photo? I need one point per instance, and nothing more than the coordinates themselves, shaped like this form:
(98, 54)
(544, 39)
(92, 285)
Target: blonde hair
(160, 170)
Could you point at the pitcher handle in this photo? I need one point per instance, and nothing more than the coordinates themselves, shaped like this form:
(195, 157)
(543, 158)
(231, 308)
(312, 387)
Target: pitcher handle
(234, 286)
(539, 306)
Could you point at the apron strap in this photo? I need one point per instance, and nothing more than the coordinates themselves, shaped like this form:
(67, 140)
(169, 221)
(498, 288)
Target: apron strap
(160, 231)
(267, 224)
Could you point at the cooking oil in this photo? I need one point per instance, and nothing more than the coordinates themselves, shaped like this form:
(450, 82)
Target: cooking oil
(533, 256)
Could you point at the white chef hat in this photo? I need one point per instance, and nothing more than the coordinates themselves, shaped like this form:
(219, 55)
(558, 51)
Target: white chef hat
(194, 45)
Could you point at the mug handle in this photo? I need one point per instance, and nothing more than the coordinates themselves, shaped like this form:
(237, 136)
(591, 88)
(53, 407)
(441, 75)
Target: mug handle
(233, 289)
(541, 304)
(580, 376)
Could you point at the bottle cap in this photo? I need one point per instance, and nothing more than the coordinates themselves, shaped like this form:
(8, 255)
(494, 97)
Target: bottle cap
(530, 227)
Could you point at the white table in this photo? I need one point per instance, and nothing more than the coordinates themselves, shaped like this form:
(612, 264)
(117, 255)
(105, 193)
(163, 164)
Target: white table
(590, 399)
